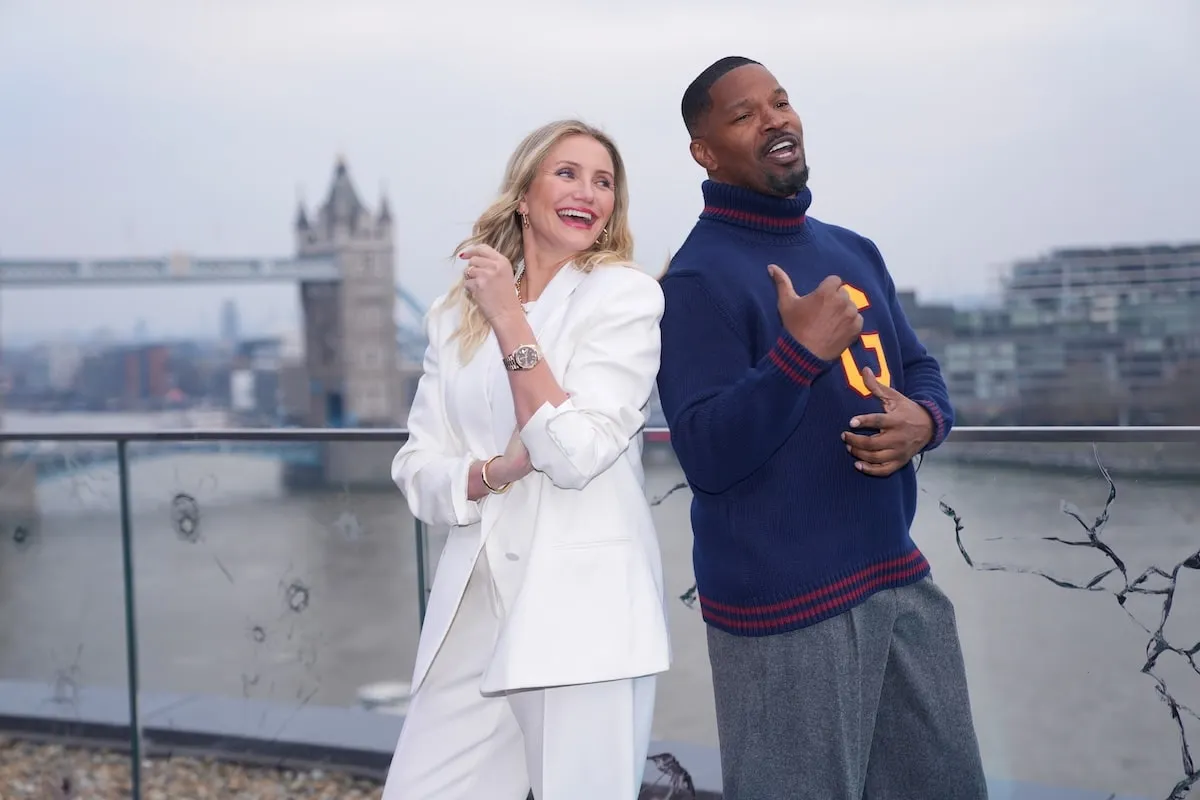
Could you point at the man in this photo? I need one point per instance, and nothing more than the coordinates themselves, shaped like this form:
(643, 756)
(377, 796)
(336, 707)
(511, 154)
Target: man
(797, 396)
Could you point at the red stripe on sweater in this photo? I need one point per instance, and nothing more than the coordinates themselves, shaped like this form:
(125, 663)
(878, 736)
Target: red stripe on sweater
(789, 370)
(809, 363)
(816, 594)
(817, 610)
(758, 219)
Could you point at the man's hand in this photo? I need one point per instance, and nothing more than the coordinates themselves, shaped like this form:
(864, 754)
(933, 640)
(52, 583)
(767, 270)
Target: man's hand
(904, 429)
(825, 321)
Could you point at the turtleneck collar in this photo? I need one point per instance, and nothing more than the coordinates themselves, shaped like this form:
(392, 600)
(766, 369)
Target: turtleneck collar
(782, 217)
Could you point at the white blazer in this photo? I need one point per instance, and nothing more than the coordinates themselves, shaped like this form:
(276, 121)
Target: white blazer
(572, 547)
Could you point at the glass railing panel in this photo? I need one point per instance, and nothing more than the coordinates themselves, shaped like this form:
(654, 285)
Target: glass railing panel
(1054, 657)
(684, 708)
(63, 670)
(1042, 554)
(277, 585)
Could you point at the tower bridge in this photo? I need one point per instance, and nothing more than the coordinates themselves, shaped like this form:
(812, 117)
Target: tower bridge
(363, 332)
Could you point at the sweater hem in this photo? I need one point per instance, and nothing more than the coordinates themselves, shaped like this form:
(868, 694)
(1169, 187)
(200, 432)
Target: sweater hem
(816, 604)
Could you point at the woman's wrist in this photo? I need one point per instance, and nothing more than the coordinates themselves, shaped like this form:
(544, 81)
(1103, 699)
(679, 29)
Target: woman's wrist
(495, 474)
(512, 331)
(504, 470)
(476, 488)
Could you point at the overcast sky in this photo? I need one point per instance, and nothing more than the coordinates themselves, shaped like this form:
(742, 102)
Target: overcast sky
(958, 135)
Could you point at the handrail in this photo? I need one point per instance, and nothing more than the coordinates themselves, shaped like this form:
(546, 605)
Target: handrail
(1001, 433)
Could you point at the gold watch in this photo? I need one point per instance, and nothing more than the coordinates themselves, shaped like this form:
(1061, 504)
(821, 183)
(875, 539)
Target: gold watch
(524, 357)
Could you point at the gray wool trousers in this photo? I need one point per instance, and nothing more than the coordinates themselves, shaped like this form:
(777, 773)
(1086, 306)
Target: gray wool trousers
(868, 705)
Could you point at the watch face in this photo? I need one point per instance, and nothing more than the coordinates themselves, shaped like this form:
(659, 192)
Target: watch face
(526, 357)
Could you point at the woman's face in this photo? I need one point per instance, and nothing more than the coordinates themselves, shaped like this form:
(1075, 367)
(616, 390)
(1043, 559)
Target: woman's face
(571, 198)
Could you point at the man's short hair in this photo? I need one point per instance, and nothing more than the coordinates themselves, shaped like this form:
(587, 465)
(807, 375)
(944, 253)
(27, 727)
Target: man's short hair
(696, 98)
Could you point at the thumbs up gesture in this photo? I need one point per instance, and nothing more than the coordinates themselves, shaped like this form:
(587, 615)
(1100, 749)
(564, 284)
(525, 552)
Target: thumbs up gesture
(904, 428)
(825, 320)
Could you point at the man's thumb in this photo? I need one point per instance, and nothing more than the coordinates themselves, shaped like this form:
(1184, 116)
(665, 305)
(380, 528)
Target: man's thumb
(783, 284)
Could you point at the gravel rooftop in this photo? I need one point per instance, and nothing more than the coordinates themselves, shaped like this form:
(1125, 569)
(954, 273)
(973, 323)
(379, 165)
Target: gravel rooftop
(39, 771)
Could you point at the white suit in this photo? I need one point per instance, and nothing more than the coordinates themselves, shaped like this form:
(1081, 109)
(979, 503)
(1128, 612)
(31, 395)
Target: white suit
(569, 594)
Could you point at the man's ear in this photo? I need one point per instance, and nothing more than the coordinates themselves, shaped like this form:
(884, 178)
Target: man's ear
(703, 155)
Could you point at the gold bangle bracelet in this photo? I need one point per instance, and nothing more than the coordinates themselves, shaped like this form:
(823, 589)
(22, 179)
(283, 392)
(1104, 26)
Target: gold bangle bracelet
(488, 484)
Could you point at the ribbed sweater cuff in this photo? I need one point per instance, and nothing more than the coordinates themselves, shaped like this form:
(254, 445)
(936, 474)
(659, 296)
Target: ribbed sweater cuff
(795, 361)
(939, 422)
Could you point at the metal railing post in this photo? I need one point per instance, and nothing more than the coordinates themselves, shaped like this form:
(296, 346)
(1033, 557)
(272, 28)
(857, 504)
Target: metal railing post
(131, 646)
(422, 547)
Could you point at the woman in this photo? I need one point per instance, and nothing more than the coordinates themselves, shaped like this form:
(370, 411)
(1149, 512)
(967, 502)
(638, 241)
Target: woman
(546, 625)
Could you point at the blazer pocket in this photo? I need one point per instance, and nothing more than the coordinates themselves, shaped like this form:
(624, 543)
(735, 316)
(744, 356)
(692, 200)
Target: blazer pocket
(612, 510)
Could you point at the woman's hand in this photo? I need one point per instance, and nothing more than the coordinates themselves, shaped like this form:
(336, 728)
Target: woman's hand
(490, 280)
(512, 465)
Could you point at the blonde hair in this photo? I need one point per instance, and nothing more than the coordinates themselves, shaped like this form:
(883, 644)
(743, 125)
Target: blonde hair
(500, 226)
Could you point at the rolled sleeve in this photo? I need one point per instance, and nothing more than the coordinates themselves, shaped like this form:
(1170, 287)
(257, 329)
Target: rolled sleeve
(574, 445)
(549, 450)
(466, 512)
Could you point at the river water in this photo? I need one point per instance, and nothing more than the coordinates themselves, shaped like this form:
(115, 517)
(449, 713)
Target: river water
(308, 597)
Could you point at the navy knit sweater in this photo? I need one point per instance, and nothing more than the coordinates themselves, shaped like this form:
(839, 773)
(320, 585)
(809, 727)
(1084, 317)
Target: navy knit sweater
(787, 532)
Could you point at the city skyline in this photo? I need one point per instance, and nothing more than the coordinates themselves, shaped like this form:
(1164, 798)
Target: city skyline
(956, 166)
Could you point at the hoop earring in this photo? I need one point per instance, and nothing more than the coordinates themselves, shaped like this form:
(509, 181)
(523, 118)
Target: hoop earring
(524, 219)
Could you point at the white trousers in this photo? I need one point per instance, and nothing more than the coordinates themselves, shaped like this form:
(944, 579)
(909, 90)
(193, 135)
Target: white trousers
(582, 742)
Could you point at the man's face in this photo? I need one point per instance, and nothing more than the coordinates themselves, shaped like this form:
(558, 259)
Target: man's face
(752, 137)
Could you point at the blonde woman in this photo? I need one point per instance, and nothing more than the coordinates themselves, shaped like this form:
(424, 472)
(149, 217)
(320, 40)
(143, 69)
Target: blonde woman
(546, 624)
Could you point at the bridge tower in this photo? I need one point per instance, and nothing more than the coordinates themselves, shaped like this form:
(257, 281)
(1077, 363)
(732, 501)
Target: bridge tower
(353, 364)
(349, 324)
